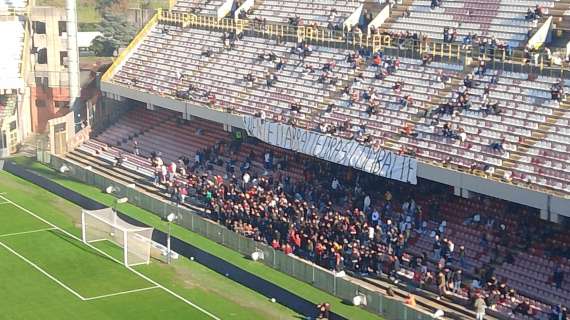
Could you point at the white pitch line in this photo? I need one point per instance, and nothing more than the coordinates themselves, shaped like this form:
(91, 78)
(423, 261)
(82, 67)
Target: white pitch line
(42, 271)
(121, 293)
(114, 259)
(25, 232)
(4, 202)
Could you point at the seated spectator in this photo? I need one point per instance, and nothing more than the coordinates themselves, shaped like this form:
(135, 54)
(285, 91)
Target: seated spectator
(408, 130)
(296, 107)
(380, 74)
(524, 308)
(491, 108)
(467, 40)
(468, 81)
(270, 79)
(250, 78)
(482, 68)
(280, 65)
(443, 78)
(497, 146)
(434, 4)
(558, 312)
(539, 10)
(406, 101)
(558, 276)
(397, 87)
(376, 60)
(308, 69)
(426, 59)
(556, 92)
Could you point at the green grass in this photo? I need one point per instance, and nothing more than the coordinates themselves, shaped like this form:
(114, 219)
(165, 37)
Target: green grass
(289, 283)
(88, 14)
(27, 293)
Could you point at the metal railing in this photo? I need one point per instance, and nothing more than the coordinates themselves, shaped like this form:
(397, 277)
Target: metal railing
(508, 59)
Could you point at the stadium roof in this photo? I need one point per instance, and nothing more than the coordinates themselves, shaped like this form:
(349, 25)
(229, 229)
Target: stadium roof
(11, 54)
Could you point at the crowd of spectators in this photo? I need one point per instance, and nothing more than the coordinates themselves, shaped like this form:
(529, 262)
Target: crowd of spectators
(342, 220)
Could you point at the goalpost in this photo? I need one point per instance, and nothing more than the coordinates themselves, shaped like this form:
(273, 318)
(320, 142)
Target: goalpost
(104, 224)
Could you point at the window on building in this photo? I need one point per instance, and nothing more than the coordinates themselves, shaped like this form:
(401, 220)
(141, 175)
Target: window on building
(39, 27)
(40, 103)
(63, 58)
(60, 127)
(62, 104)
(42, 82)
(62, 27)
(13, 125)
(42, 56)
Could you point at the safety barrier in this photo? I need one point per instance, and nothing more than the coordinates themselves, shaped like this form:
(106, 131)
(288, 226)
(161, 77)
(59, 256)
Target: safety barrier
(341, 287)
(507, 59)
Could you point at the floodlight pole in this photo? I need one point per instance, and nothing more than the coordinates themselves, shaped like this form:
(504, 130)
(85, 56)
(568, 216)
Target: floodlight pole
(171, 217)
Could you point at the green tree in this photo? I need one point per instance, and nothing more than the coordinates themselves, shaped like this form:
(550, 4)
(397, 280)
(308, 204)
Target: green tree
(103, 47)
(117, 32)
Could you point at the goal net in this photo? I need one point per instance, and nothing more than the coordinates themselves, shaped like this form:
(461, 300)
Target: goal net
(104, 224)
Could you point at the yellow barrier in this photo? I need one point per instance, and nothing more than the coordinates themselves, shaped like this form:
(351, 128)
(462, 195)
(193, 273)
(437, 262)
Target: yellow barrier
(320, 35)
(137, 39)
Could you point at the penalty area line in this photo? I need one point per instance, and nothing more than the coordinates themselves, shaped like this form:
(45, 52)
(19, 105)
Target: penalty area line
(174, 294)
(25, 232)
(35, 266)
(121, 293)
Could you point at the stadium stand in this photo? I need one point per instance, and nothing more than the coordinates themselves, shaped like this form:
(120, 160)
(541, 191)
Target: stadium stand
(217, 74)
(490, 241)
(467, 114)
(198, 6)
(502, 20)
(303, 12)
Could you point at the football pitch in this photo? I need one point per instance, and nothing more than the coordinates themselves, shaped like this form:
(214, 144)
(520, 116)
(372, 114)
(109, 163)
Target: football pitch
(47, 272)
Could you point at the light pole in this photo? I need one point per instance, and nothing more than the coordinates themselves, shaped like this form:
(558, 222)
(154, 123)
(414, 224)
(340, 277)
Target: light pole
(119, 201)
(171, 217)
(111, 190)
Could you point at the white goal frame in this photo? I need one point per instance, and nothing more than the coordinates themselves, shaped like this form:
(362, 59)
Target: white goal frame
(109, 226)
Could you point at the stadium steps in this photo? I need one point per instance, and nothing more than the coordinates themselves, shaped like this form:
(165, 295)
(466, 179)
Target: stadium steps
(537, 135)
(120, 174)
(557, 12)
(395, 12)
(163, 117)
(374, 7)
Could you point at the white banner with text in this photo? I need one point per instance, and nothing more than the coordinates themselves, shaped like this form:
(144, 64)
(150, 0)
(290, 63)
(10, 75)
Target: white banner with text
(342, 151)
